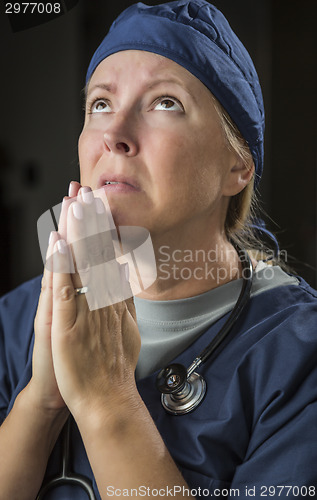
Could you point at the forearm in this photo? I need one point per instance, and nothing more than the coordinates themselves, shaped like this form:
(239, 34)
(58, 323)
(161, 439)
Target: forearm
(27, 437)
(126, 451)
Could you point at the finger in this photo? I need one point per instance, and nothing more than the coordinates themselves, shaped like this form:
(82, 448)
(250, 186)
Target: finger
(96, 266)
(108, 237)
(99, 222)
(44, 312)
(100, 194)
(73, 189)
(64, 298)
(108, 277)
(113, 272)
(89, 232)
(62, 223)
(77, 241)
(92, 246)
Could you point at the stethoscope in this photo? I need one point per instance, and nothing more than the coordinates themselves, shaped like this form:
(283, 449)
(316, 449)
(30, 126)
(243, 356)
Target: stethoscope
(65, 476)
(182, 389)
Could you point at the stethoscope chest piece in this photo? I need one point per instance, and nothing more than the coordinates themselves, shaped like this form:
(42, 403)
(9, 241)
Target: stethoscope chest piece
(188, 398)
(182, 390)
(180, 394)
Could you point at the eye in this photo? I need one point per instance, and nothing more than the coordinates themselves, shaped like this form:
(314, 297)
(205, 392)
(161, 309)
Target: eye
(166, 103)
(99, 106)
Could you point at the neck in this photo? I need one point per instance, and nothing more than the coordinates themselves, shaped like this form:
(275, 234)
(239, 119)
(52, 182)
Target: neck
(190, 266)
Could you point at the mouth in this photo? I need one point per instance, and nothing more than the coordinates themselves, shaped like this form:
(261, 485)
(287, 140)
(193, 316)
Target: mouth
(118, 183)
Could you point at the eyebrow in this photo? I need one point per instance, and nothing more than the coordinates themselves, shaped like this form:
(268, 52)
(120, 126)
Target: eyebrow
(176, 81)
(109, 87)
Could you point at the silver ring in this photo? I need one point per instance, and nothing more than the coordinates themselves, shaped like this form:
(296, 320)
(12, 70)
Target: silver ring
(79, 291)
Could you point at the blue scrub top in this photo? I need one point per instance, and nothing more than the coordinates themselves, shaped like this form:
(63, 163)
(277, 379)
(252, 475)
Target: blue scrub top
(255, 433)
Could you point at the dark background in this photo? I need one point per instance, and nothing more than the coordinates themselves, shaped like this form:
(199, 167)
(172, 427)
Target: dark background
(42, 75)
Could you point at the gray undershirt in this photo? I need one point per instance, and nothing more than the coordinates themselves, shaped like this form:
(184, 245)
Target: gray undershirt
(168, 327)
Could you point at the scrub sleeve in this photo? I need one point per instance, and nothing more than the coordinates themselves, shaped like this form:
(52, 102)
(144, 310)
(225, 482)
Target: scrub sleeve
(17, 312)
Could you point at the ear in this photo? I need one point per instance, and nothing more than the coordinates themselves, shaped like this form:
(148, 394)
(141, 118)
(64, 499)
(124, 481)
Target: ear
(238, 177)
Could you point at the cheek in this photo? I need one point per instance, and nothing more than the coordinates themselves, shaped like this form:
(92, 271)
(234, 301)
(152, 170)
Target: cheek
(176, 170)
(210, 156)
(90, 149)
(191, 159)
(201, 171)
(173, 167)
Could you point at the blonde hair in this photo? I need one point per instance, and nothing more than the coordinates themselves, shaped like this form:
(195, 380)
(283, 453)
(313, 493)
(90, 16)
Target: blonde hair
(244, 207)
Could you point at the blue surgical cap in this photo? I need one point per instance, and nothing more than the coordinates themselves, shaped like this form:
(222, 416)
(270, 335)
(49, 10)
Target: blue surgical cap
(197, 36)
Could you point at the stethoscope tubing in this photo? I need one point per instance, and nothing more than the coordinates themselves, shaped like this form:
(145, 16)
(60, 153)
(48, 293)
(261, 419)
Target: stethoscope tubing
(244, 296)
(65, 477)
(182, 390)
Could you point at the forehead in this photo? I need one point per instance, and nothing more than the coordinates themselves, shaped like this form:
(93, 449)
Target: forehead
(131, 66)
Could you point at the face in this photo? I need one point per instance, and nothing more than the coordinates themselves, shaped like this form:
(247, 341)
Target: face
(151, 126)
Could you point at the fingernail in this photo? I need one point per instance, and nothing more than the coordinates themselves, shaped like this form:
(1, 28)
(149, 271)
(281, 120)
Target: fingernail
(78, 211)
(87, 195)
(71, 189)
(62, 246)
(100, 208)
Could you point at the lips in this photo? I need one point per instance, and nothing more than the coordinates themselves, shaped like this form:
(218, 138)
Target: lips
(119, 180)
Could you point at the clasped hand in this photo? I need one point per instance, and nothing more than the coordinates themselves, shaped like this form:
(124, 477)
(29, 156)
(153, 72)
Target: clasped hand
(84, 355)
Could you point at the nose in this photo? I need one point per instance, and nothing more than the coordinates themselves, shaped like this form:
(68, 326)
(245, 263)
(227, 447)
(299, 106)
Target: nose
(120, 137)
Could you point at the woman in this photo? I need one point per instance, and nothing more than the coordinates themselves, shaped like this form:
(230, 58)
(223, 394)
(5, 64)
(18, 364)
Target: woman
(173, 136)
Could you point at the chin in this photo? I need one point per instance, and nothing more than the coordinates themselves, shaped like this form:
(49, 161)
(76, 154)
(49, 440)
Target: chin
(125, 218)
(127, 212)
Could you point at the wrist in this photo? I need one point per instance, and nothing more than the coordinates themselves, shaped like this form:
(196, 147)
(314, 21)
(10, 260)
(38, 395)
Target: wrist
(28, 401)
(111, 415)
(34, 428)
